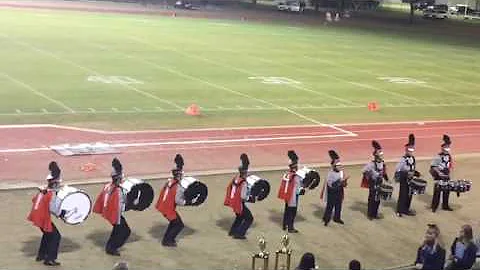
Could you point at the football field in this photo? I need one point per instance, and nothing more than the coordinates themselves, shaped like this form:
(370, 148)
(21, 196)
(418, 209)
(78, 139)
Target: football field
(135, 71)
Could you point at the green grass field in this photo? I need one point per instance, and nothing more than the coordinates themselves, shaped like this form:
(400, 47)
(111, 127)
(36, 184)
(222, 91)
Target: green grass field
(56, 67)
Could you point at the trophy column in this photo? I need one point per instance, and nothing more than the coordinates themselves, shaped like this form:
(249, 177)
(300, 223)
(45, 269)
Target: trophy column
(262, 255)
(283, 252)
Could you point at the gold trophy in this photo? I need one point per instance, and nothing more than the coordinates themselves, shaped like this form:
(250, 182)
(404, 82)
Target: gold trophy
(262, 255)
(284, 251)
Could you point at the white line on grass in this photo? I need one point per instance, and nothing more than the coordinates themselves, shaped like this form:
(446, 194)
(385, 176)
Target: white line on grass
(72, 63)
(221, 87)
(241, 70)
(36, 92)
(18, 111)
(92, 109)
(44, 110)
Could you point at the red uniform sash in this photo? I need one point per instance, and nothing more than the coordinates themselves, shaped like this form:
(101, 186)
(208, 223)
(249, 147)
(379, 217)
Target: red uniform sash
(286, 187)
(108, 203)
(40, 213)
(235, 201)
(166, 202)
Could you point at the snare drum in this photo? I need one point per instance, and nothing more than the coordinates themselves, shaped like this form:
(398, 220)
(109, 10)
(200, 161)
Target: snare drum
(310, 177)
(258, 188)
(195, 192)
(461, 185)
(417, 186)
(75, 202)
(139, 194)
(386, 192)
(445, 185)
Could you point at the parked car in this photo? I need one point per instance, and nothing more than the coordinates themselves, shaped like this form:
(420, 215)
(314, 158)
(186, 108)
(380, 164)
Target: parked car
(292, 6)
(435, 14)
(183, 5)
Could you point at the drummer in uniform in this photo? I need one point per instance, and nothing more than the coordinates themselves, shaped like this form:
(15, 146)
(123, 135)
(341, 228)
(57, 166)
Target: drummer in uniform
(440, 170)
(235, 197)
(111, 203)
(335, 184)
(172, 194)
(373, 175)
(404, 173)
(290, 190)
(44, 203)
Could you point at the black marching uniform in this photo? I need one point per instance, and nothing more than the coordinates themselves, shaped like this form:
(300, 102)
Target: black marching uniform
(440, 171)
(404, 173)
(375, 172)
(336, 181)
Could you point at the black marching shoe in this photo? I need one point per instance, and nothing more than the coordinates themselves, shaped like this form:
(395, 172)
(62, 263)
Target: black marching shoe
(51, 263)
(169, 244)
(411, 213)
(447, 208)
(40, 258)
(339, 221)
(113, 252)
(292, 230)
(240, 237)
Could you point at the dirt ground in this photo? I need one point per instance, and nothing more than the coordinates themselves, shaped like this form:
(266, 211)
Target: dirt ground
(204, 243)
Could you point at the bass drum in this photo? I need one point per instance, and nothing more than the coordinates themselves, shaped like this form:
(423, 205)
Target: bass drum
(75, 202)
(195, 192)
(258, 188)
(310, 178)
(139, 194)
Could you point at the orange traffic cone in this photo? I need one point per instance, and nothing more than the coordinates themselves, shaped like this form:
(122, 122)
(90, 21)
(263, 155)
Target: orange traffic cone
(193, 110)
(373, 106)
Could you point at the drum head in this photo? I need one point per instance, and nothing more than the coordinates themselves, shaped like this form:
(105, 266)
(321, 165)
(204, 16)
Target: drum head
(196, 193)
(260, 190)
(140, 197)
(77, 206)
(311, 180)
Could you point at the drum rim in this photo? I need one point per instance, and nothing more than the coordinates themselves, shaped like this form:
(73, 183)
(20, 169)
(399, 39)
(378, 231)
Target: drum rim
(89, 210)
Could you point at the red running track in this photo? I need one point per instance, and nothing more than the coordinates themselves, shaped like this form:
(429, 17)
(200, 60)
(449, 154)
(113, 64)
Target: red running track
(24, 152)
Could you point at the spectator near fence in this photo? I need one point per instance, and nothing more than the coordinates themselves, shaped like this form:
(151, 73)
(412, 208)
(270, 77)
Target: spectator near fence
(431, 255)
(354, 265)
(463, 250)
(307, 262)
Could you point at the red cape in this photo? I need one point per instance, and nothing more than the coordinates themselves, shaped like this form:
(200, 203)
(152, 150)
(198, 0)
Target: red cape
(364, 183)
(166, 204)
(286, 187)
(235, 201)
(108, 203)
(40, 213)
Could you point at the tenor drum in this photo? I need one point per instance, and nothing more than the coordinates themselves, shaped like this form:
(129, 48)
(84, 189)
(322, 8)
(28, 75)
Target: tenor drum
(139, 194)
(258, 188)
(461, 185)
(310, 178)
(386, 192)
(417, 186)
(75, 202)
(195, 192)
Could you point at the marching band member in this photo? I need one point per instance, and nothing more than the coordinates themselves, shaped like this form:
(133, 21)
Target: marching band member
(336, 181)
(44, 203)
(404, 172)
(111, 203)
(373, 174)
(290, 189)
(172, 194)
(236, 197)
(440, 171)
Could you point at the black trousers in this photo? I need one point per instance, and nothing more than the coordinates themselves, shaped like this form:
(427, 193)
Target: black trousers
(49, 244)
(334, 205)
(289, 215)
(373, 204)
(242, 222)
(404, 197)
(119, 236)
(436, 197)
(174, 228)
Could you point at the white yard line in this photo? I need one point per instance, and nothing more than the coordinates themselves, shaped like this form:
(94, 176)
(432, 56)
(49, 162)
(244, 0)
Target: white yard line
(89, 70)
(37, 92)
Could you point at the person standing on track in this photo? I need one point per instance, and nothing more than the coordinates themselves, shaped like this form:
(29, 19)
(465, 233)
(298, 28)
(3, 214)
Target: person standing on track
(405, 171)
(440, 171)
(335, 184)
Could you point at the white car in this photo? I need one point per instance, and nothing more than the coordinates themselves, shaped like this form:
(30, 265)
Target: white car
(291, 6)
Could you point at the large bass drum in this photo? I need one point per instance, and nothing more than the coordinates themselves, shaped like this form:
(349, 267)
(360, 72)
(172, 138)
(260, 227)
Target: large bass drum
(310, 177)
(139, 194)
(258, 188)
(75, 202)
(195, 192)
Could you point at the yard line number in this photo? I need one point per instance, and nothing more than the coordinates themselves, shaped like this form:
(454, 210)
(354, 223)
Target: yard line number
(113, 80)
(274, 80)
